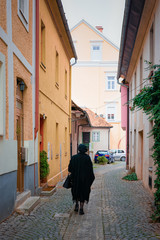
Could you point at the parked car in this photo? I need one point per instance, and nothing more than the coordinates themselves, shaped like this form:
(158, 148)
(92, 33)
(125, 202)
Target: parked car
(105, 153)
(118, 154)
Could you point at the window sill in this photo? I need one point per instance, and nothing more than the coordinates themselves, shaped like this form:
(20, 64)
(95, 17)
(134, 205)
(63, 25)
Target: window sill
(57, 156)
(57, 85)
(111, 90)
(43, 66)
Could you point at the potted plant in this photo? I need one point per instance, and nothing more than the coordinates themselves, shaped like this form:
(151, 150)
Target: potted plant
(44, 166)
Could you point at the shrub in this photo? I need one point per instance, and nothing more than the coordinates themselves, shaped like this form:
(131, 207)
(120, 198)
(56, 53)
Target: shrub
(44, 166)
(131, 177)
(102, 160)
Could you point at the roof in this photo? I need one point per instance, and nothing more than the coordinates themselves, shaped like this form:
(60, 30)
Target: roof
(95, 120)
(59, 18)
(66, 26)
(131, 21)
(97, 31)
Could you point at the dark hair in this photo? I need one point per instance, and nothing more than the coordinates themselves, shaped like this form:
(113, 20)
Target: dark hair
(82, 148)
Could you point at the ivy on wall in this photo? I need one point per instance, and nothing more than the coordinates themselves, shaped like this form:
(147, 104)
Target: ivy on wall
(148, 100)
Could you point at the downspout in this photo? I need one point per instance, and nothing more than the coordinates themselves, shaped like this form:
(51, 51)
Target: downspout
(127, 132)
(37, 70)
(109, 139)
(127, 160)
(36, 84)
(70, 127)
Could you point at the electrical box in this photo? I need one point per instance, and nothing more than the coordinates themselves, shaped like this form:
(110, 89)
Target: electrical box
(24, 154)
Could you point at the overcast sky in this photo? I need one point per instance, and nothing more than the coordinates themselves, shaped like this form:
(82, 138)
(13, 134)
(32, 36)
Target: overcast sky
(107, 13)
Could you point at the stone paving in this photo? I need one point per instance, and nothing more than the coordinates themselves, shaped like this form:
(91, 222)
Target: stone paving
(117, 209)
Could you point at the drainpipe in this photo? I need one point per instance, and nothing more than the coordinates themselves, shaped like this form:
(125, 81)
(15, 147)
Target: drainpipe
(37, 71)
(127, 160)
(36, 85)
(127, 132)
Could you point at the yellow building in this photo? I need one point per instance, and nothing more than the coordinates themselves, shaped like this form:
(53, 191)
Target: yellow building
(56, 50)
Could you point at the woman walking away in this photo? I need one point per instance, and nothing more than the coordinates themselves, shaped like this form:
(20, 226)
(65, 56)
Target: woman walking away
(82, 176)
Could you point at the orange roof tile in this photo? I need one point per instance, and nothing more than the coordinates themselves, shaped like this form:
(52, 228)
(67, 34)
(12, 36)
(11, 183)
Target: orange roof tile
(95, 120)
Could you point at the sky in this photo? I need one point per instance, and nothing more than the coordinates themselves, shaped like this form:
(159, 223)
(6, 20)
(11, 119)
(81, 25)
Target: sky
(106, 13)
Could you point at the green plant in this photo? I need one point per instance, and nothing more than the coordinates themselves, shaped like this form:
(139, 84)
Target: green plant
(148, 100)
(102, 160)
(44, 166)
(131, 177)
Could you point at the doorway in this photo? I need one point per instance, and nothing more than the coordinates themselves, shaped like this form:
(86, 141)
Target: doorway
(141, 153)
(20, 138)
(86, 138)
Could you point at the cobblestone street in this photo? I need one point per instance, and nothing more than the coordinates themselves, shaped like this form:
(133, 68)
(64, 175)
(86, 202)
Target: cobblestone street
(117, 210)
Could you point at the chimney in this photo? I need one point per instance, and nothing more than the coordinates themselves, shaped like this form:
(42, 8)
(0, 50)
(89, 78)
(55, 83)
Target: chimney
(100, 28)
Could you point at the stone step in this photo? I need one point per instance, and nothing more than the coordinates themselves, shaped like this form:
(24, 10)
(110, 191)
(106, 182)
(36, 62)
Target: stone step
(22, 197)
(28, 205)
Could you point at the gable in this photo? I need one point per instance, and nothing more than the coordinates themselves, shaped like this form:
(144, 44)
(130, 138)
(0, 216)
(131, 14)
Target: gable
(84, 36)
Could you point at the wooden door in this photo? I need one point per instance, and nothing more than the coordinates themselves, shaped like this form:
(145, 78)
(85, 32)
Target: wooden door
(86, 138)
(19, 133)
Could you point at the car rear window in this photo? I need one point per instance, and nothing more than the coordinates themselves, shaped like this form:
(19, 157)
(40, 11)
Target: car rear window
(103, 152)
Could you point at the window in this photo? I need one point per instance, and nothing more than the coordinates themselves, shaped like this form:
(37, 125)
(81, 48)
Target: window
(95, 136)
(120, 151)
(141, 72)
(111, 113)
(66, 84)
(57, 69)
(23, 12)
(57, 140)
(43, 44)
(65, 141)
(152, 44)
(2, 95)
(96, 51)
(110, 82)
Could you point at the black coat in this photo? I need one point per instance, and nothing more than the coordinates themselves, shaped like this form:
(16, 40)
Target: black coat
(82, 175)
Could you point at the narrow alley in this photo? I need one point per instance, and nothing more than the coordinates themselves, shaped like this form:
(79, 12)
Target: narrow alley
(117, 209)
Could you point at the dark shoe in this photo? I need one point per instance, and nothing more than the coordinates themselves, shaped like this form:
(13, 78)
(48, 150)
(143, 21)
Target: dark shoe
(81, 212)
(76, 208)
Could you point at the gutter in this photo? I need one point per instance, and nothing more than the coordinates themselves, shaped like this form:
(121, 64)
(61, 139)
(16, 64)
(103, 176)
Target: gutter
(37, 71)
(123, 36)
(131, 22)
(59, 3)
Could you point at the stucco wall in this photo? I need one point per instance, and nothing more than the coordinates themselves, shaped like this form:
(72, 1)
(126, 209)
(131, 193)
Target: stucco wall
(52, 100)
(95, 146)
(18, 58)
(140, 144)
(89, 79)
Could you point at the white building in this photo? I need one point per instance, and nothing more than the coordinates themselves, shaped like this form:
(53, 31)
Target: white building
(140, 42)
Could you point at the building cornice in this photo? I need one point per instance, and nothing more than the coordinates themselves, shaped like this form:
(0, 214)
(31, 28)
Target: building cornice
(96, 64)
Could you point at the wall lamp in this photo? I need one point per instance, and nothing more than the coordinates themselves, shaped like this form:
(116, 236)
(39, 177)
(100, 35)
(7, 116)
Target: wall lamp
(22, 86)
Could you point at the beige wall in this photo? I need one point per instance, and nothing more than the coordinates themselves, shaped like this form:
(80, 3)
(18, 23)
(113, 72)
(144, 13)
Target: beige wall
(95, 146)
(89, 79)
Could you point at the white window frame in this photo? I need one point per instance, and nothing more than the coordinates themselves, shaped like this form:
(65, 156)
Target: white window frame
(2, 94)
(107, 81)
(96, 56)
(109, 111)
(96, 136)
(24, 13)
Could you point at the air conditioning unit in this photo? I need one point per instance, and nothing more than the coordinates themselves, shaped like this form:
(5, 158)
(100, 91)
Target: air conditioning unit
(24, 154)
